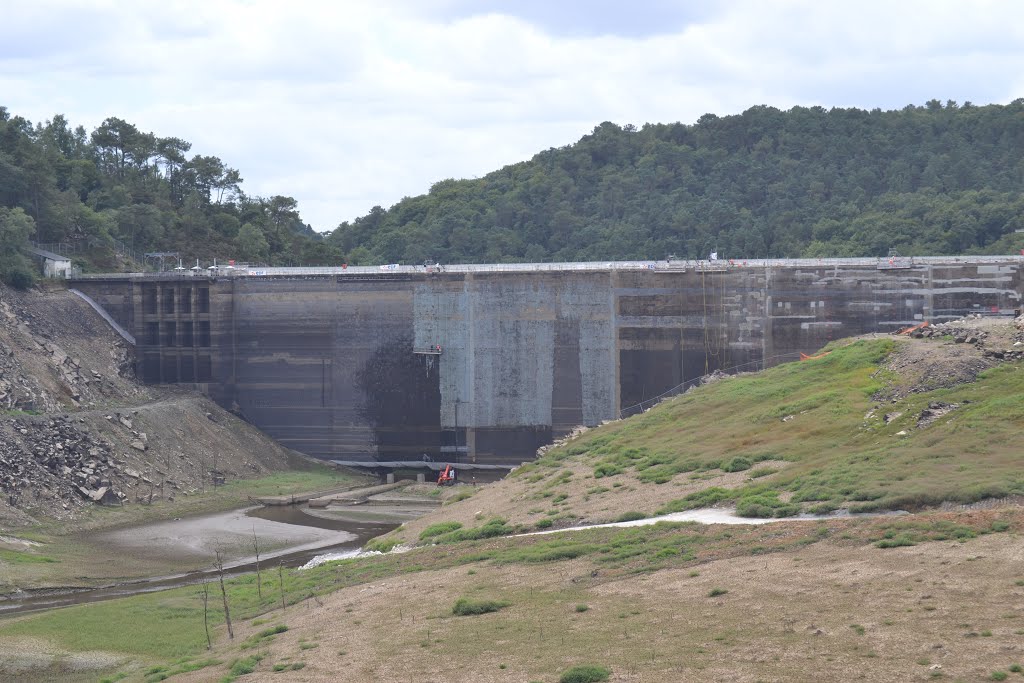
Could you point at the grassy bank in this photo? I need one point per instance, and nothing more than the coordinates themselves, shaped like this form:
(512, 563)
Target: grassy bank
(839, 446)
(166, 629)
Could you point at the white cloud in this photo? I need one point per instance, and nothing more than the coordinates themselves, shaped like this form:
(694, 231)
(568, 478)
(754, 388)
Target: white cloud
(344, 105)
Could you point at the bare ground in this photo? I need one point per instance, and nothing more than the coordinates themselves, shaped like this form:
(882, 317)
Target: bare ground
(74, 421)
(828, 611)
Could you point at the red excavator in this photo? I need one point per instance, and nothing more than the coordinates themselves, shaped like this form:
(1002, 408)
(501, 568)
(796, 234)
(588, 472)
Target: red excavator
(447, 477)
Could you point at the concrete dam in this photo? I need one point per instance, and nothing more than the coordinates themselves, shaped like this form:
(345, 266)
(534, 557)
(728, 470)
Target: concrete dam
(485, 364)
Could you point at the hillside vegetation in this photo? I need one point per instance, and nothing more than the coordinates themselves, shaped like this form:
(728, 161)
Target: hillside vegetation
(877, 424)
(936, 179)
(932, 179)
(112, 194)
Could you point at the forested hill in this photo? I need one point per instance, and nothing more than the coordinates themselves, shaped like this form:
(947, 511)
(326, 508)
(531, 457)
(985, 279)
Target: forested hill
(120, 190)
(936, 179)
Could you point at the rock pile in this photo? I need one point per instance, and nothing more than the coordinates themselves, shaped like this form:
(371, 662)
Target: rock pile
(56, 462)
(963, 332)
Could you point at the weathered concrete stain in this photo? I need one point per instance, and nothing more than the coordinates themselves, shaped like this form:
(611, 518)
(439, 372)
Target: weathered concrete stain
(487, 366)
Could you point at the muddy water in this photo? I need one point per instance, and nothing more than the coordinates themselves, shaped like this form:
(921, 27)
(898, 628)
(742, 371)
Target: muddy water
(296, 538)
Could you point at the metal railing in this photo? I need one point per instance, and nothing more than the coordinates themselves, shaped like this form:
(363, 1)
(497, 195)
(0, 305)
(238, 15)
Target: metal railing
(664, 265)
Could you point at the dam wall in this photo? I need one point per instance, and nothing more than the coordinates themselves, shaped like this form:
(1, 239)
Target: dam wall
(486, 364)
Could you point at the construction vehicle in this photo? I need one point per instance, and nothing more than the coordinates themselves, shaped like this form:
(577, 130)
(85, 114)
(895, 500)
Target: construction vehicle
(447, 476)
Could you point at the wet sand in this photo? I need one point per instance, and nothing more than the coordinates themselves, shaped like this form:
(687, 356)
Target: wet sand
(231, 533)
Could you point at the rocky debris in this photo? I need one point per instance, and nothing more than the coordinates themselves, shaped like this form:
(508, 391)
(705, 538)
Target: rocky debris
(39, 372)
(61, 454)
(55, 461)
(982, 333)
(933, 412)
(576, 431)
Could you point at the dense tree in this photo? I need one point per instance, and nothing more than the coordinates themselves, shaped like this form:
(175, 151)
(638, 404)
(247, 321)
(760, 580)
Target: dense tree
(15, 228)
(937, 179)
(124, 190)
(941, 178)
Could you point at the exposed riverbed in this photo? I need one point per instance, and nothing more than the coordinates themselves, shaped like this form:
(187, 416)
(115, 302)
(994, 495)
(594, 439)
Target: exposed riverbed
(287, 535)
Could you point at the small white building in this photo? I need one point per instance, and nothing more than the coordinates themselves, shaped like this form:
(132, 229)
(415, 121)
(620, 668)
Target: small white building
(53, 265)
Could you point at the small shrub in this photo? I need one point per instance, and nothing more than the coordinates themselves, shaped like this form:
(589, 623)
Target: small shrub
(631, 516)
(715, 592)
(492, 528)
(273, 630)
(737, 464)
(439, 529)
(896, 542)
(460, 496)
(582, 608)
(1000, 525)
(1016, 668)
(464, 607)
(19, 277)
(586, 673)
(544, 523)
(382, 545)
(999, 675)
(762, 472)
(241, 667)
(858, 629)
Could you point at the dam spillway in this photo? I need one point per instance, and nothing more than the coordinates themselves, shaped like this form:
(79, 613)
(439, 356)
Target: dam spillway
(487, 363)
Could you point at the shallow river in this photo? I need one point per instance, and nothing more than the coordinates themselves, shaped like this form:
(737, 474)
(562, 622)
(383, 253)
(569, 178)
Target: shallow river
(287, 536)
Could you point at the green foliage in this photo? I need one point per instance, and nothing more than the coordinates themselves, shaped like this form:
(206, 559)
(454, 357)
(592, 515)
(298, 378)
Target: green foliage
(124, 185)
(490, 529)
(585, 673)
(15, 229)
(631, 516)
(460, 496)
(241, 667)
(20, 557)
(273, 630)
(754, 503)
(922, 180)
(464, 607)
(737, 464)
(762, 472)
(930, 179)
(439, 529)
(382, 545)
(544, 523)
(261, 637)
(715, 592)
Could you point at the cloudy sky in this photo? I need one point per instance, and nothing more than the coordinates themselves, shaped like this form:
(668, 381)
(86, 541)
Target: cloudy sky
(344, 104)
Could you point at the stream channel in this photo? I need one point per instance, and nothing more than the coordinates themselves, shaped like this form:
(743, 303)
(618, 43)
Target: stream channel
(291, 536)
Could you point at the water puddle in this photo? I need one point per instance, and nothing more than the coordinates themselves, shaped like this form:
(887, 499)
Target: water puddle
(712, 516)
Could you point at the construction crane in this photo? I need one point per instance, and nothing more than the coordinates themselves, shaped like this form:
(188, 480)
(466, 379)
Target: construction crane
(447, 476)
